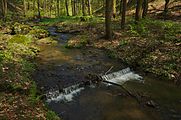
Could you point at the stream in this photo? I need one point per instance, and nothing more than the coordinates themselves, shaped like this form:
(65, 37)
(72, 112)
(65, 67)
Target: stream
(60, 74)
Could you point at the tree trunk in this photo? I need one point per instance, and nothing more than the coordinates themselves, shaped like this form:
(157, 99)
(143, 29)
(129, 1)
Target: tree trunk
(89, 7)
(28, 7)
(114, 8)
(24, 6)
(83, 8)
(58, 8)
(67, 7)
(123, 17)
(33, 4)
(120, 7)
(108, 15)
(138, 14)
(39, 14)
(166, 8)
(44, 7)
(145, 8)
(4, 9)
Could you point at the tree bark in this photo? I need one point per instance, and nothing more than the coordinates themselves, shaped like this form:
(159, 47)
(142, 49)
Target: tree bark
(114, 8)
(166, 8)
(58, 8)
(138, 14)
(89, 7)
(39, 14)
(83, 8)
(24, 5)
(108, 15)
(67, 7)
(4, 9)
(145, 8)
(123, 16)
(44, 6)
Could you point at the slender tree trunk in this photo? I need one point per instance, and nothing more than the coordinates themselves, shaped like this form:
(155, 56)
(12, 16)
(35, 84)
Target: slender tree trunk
(120, 7)
(138, 14)
(108, 16)
(74, 8)
(24, 4)
(145, 8)
(166, 8)
(67, 7)
(123, 17)
(114, 8)
(83, 8)
(58, 8)
(50, 9)
(28, 7)
(89, 7)
(39, 14)
(44, 7)
(34, 4)
(3, 8)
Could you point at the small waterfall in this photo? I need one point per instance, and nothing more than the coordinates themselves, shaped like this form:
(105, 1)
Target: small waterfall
(66, 95)
(122, 76)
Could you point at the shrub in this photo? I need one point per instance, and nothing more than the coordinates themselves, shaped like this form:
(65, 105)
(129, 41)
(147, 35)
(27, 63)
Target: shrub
(21, 28)
(52, 116)
(39, 33)
(20, 39)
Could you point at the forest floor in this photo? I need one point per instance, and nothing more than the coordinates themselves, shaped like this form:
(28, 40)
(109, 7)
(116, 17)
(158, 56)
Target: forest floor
(19, 96)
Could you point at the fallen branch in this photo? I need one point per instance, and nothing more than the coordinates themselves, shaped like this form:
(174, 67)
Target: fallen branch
(109, 70)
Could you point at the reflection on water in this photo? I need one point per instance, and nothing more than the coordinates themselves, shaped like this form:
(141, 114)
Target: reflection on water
(102, 103)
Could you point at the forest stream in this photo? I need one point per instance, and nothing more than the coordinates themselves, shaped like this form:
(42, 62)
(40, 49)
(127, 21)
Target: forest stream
(64, 69)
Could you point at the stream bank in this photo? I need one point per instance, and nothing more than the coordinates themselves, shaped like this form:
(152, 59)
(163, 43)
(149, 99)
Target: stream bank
(59, 68)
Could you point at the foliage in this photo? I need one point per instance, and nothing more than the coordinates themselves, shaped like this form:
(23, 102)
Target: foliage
(16, 64)
(21, 28)
(33, 98)
(149, 27)
(39, 33)
(78, 41)
(52, 115)
(20, 39)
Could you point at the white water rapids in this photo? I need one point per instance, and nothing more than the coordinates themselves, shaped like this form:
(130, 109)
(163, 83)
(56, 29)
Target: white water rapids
(68, 93)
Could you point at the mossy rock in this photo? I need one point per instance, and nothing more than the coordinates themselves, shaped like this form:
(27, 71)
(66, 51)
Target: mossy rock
(39, 33)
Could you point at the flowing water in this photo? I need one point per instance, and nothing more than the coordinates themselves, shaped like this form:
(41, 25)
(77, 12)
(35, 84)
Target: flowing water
(62, 72)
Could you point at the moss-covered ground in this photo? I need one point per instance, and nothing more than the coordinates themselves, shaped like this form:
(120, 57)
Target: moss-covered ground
(19, 96)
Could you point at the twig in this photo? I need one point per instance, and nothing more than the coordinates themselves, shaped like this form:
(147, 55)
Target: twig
(109, 69)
